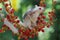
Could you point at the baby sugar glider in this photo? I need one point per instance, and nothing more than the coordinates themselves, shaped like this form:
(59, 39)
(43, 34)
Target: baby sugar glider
(30, 17)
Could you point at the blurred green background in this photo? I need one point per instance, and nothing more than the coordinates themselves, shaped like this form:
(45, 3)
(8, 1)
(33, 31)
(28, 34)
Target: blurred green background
(21, 6)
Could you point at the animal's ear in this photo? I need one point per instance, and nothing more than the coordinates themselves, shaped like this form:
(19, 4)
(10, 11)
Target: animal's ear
(36, 6)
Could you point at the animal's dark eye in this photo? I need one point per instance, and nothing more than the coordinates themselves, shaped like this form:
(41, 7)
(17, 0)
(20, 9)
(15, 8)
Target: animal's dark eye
(40, 8)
